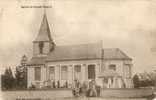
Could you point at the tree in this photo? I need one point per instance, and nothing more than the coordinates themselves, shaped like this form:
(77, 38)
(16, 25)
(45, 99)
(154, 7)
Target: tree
(21, 77)
(147, 79)
(136, 81)
(8, 80)
(21, 74)
(152, 76)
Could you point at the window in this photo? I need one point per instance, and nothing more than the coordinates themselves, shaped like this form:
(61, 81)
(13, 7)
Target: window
(52, 73)
(127, 71)
(41, 45)
(37, 73)
(91, 71)
(105, 80)
(64, 72)
(77, 70)
(112, 67)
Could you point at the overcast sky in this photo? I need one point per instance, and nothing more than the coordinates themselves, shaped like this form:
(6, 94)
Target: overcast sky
(126, 24)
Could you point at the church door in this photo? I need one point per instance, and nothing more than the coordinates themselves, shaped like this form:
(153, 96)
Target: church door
(91, 71)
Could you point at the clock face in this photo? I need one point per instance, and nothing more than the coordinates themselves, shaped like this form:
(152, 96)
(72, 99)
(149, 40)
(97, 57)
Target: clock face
(41, 45)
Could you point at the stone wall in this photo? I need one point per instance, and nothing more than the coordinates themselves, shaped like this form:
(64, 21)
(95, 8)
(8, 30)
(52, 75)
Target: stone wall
(67, 93)
(126, 93)
(35, 94)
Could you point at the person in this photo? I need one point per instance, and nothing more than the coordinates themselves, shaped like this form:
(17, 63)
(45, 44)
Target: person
(32, 86)
(76, 90)
(98, 89)
(92, 89)
(54, 84)
(66, 84)
(58, 84)
(83, 89)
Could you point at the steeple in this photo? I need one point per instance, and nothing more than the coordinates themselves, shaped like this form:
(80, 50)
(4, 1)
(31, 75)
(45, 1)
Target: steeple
(43, 44)
(44, 33)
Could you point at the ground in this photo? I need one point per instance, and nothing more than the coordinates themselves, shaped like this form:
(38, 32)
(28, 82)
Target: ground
(103, 99)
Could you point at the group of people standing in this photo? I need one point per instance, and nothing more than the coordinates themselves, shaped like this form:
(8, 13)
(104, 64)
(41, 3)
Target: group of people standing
(89, 89)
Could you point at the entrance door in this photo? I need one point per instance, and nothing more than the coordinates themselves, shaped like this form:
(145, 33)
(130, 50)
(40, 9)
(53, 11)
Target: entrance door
(91, 71)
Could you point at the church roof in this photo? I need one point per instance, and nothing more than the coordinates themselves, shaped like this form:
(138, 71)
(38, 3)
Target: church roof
(85, 51)
(75, 52)
(44, 31)
(81, 52)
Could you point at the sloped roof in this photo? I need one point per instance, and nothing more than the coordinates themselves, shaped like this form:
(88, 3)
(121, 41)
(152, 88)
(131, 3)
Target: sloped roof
(75, 52)
(81, 52)
(37, 61)
(44, 31)
(114, 53)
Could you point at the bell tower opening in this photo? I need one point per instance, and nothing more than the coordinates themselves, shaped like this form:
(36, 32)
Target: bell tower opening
(41, 46)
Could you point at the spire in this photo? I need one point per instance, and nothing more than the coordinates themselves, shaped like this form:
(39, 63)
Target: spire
(44, 31)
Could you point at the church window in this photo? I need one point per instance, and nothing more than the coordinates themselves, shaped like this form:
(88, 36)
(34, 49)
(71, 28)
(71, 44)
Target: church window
(112, 67)
(41, 45)
(91, 71)
(64, 72)
(51, 72)
(37, 73)
(77, 70)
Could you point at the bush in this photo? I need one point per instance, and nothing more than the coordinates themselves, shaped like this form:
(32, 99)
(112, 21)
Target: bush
(136, 81)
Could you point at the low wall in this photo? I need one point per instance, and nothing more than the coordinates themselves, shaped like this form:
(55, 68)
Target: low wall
(36, 94)
(67, 93)
(126, 93)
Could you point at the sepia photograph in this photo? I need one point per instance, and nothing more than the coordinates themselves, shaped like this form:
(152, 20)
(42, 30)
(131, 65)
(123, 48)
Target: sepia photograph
(77, 50)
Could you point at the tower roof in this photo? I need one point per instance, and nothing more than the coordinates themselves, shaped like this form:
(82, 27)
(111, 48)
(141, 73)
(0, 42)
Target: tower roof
(44, 31)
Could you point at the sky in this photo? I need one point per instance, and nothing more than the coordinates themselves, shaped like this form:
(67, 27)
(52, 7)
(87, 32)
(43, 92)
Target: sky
(126, 24)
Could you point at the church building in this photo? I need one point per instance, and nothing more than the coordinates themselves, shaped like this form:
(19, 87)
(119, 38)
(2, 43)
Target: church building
(109, 67)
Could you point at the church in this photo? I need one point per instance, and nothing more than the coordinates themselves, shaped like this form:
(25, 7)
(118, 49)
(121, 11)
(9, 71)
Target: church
(109, 67)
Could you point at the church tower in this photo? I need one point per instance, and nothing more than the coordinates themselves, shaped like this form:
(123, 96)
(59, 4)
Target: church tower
(43, 44)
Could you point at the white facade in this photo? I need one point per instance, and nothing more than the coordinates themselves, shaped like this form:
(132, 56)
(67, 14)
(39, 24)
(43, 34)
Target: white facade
(83, 74)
